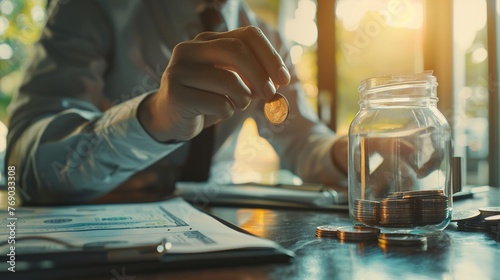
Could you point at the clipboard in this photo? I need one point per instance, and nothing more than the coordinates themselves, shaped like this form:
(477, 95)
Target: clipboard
(39, 270)
(68, 264)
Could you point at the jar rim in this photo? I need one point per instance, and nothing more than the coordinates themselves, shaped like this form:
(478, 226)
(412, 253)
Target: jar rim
(423, 79)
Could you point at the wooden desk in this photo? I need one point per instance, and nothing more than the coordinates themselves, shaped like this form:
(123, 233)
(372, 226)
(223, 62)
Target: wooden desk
(450, 255)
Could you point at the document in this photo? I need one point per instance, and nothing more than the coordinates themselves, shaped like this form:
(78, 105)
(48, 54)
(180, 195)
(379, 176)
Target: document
(309, 196)
(187, 229)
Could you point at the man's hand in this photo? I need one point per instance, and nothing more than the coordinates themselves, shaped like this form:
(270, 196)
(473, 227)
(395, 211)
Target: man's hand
(208, 79)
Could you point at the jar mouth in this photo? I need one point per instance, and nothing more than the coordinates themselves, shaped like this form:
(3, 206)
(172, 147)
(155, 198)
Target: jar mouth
(386, 83)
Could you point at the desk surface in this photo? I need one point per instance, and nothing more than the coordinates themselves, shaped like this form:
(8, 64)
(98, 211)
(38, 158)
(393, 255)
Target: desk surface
(450, 255)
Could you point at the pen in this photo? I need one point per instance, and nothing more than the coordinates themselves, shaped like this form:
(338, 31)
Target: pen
(79, 256)
(327, 196)
(336, 196)
(146, 252)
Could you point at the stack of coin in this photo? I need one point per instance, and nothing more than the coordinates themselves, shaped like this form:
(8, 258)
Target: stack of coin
(476, 224)
(326, 231)
(489, 215)
(423, 194)
(403, 209)
(494, 223)
(486, 219)
(489, 211)
(357, 233)
(397, 212)
(431, 210)
(431, 206)
(366, 211)
(416, 194)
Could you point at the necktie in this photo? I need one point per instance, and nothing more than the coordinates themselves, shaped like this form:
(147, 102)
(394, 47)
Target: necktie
(197, 165)
(212, 19)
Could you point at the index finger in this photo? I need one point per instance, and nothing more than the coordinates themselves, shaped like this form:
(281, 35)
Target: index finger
(266, 54)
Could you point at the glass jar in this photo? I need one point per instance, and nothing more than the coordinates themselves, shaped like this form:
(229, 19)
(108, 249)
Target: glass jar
(400, 156)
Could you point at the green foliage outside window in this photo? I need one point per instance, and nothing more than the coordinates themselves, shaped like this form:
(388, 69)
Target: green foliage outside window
(20, 24)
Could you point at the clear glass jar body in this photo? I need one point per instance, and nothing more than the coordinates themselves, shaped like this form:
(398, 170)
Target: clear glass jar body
(400, 156)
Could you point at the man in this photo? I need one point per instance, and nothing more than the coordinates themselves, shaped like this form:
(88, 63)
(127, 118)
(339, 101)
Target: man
(121, 97)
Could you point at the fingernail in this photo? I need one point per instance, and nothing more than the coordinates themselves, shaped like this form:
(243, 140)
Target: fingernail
(269, 90)
(284, 75)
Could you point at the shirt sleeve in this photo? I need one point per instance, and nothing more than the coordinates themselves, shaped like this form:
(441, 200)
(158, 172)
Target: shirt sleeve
(65, 142)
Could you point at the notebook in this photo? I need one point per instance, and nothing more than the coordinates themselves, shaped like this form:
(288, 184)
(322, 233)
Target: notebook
(67, 241)
(304, 196)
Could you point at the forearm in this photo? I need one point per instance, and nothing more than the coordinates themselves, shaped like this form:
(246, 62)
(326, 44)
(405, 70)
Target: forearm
(318, 160)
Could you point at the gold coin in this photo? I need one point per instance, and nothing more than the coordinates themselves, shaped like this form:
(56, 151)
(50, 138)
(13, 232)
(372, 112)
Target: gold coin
(357, 233)
(276, 109)
(326, 231)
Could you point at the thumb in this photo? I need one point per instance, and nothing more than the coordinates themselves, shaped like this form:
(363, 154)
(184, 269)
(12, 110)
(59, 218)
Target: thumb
(211, 120)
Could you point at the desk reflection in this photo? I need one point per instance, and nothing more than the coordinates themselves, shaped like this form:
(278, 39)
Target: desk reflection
(451, 254)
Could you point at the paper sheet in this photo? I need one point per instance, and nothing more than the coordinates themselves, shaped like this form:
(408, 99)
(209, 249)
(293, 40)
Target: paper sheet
(186, 228)
(318, 196)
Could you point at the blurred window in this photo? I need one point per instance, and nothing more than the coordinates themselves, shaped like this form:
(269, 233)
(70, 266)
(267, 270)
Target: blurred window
(450, 37)
(471, 88)
(457, 39)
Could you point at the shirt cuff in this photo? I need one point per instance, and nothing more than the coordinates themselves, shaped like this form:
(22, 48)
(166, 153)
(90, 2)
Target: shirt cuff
(88, 164)
(317, 166)
(121, 125)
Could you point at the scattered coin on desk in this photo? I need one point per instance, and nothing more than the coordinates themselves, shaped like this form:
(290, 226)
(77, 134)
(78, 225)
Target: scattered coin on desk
(487, 221)
(463, 215)
(326, 231)
(276, 110)
(489, 211)
(366, 211)
(357, 233)
(492, 219)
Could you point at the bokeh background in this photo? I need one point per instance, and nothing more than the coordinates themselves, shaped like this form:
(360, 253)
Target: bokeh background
(371, 38)
(20, 25)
